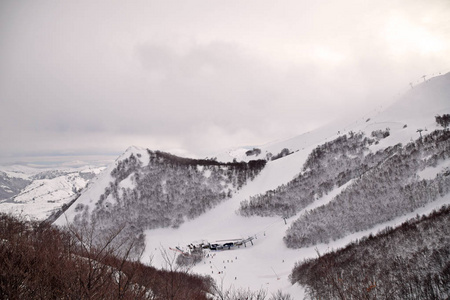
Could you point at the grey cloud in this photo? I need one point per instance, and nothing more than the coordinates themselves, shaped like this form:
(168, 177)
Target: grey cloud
(89, 76)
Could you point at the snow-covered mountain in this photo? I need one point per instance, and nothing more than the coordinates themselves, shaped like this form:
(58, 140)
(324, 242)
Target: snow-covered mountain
(36, 193)
(178, 202)
(11, 185)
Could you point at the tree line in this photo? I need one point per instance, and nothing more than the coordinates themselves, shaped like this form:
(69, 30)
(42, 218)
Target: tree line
(40, 261)
(411, 261)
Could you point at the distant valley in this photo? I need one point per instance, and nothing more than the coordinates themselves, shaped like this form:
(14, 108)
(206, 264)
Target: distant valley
(36, 194)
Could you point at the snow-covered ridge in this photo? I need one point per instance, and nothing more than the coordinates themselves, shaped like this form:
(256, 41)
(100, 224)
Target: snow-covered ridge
(160, 189)
(97, 185)
(414, 110)
(44, 191)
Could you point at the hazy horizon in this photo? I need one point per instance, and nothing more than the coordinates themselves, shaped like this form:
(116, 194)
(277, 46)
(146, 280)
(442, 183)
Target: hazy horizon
(89, 78)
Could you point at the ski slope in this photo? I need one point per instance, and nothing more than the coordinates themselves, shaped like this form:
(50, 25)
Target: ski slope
(268, 262)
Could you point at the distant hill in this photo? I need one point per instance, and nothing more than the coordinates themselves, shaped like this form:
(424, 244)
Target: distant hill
(11, 186)
(37, 194)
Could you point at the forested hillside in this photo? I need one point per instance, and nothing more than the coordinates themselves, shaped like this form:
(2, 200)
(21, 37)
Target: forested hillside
(328, 166)
(163, 193)
(408, 262)
(391, 189)
(384, 185)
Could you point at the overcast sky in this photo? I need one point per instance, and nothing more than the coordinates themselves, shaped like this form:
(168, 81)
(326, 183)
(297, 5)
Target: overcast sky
(192, 77)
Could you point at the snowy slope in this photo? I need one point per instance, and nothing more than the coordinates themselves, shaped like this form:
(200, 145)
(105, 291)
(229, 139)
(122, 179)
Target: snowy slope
(265, 264)
(416, 109)
(97, 186)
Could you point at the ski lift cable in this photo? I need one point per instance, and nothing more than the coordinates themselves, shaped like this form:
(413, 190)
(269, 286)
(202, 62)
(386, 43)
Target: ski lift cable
(269, 226)
(278, 277)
